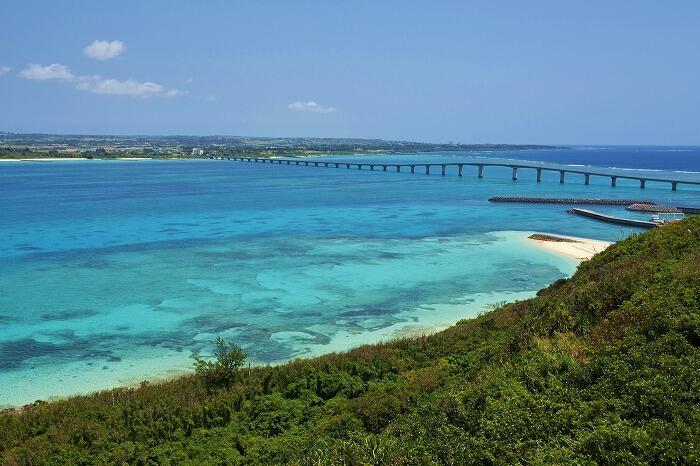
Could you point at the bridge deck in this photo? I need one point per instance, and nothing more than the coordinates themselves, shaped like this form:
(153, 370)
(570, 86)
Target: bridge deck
(460, 165)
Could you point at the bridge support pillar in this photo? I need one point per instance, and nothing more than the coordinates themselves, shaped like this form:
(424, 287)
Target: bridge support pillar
(443, 170)
(587, 179)
(674, 185)
(371, 167)
(613, 181)
(642, 184)
(347, 165)
(359, 166)
(515, 173)
(459, 170)
(481, 171)
(398, 168)
(427, 169)
(384, 167)
(413, 168)
(539, 175)
(561, 176)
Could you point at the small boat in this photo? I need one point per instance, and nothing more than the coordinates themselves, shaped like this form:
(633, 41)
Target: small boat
(664, 218)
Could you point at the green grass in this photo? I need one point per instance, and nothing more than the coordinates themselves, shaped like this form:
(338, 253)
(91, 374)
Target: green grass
(600, 368)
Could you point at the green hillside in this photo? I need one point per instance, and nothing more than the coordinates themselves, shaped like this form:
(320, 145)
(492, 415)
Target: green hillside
(601, 368)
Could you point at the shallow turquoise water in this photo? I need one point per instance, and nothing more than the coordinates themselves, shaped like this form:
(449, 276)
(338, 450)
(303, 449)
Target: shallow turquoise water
(112, 272)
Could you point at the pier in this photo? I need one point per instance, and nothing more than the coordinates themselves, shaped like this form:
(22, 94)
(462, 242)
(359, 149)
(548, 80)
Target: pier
(612, 219)
(458, 169)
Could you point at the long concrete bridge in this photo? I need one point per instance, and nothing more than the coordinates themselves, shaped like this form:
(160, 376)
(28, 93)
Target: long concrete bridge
(459, 166)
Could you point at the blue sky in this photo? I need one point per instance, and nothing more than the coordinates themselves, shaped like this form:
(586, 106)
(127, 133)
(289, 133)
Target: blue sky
(569, 72)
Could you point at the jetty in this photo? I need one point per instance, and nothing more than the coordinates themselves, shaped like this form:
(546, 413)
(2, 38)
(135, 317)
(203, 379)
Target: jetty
(569, 201)
(654, 208)
(689, 210)
(612, 219)
(458, 169)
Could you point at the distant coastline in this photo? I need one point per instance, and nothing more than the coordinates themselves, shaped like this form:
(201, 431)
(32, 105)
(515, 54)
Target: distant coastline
(57, 146)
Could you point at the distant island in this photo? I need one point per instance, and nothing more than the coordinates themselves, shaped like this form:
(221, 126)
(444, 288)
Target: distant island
(17, 146)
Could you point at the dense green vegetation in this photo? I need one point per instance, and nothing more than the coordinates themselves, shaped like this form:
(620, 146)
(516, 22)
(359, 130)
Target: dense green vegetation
(600, 368)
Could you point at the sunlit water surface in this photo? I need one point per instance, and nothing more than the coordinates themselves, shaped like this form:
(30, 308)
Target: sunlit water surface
(113, 272)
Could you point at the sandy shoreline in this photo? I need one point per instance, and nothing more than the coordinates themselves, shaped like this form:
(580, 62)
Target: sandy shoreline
(570, 246)
(72, 159)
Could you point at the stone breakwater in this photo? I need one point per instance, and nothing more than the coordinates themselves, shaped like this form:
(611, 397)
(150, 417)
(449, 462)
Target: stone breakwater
(653, 208)
(571, 200)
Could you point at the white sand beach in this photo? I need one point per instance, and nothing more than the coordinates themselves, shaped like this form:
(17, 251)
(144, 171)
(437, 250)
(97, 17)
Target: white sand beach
(72, 159)
(570, 246)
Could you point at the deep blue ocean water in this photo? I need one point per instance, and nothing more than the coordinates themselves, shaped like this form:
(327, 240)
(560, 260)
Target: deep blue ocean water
(113, 271)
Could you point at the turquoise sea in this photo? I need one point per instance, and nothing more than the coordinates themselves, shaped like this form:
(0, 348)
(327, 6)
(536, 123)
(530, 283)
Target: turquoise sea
(112, 272)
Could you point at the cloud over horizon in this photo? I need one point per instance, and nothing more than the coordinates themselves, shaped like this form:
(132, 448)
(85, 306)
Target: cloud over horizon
(310, 106)
(52, 71)
(97, 84)
(4, 69)
(104, 50)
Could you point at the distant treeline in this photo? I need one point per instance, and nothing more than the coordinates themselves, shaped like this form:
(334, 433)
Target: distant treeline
(602, 368)
(37, 145)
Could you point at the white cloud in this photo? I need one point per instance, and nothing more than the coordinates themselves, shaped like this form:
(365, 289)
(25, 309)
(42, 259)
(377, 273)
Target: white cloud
(96, 84)
(4, 69)
(53, 71)
(104, 50)
(310, 106)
